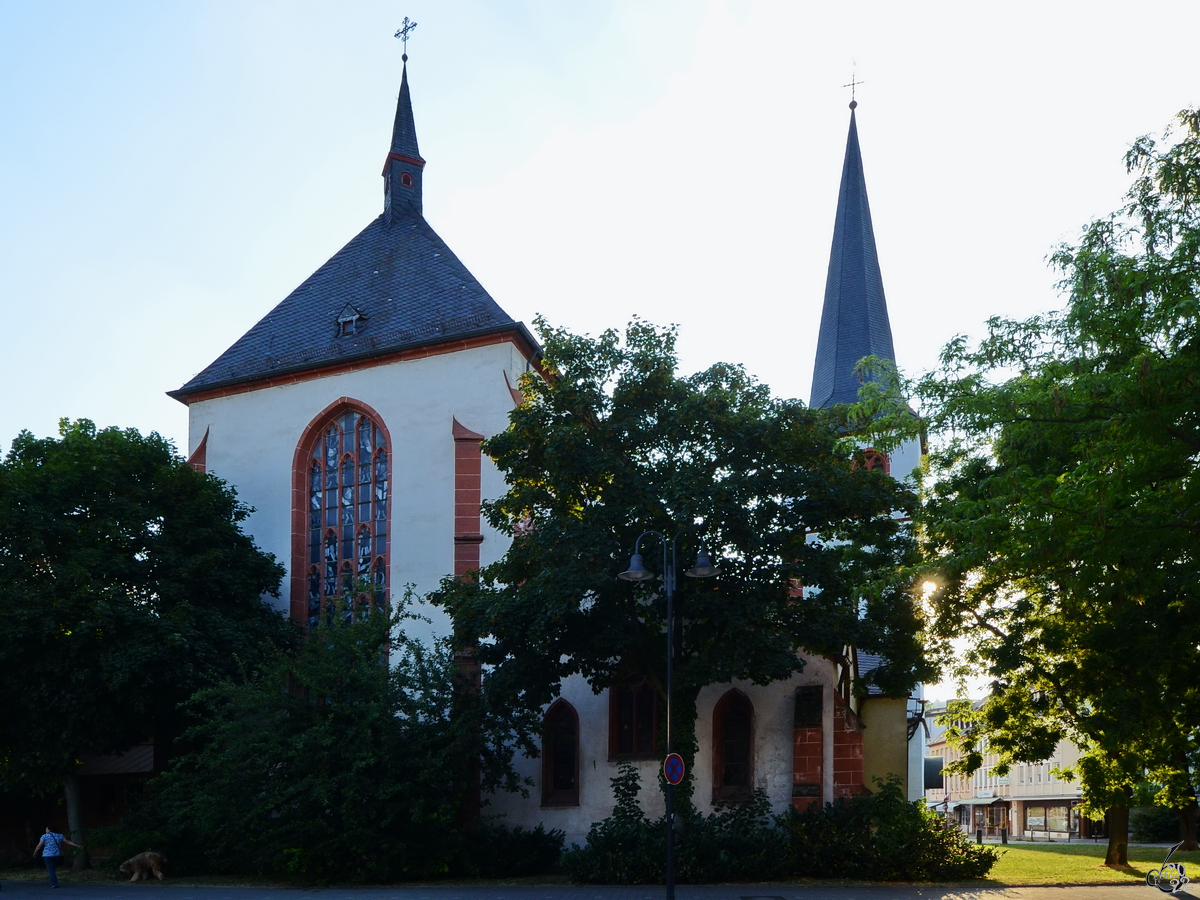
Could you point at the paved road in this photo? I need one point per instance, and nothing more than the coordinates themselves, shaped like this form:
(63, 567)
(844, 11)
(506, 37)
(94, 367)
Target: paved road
(25, 890)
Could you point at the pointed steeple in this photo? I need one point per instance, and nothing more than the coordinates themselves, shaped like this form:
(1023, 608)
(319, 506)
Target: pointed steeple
(402, 171)
(854, 318)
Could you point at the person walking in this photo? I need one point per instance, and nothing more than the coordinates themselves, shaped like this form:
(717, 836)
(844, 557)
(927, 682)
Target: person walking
(51, 847)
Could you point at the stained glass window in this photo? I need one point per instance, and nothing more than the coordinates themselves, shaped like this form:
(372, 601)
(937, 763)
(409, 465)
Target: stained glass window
(347, 515)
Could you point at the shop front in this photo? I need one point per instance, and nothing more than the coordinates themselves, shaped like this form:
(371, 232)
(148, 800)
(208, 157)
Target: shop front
(1050, 820)
(987, 814)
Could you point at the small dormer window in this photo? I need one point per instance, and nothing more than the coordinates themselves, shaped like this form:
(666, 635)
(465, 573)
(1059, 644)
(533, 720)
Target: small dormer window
(350, 321)
(406, 179)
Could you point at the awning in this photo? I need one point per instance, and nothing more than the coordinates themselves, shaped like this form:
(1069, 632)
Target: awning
(981, 801)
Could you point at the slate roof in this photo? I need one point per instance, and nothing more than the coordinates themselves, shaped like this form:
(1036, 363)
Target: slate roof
(407, 287)
(404, 129)
(854, 318)
(866, 663)
(138, 758)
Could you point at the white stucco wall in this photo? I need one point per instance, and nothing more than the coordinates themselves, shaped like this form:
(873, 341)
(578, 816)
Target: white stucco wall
(252, 439)
(774, 711)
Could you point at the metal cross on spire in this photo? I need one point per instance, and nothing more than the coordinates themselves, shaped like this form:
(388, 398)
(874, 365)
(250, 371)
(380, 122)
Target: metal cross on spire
(402, 33)
(854, 82)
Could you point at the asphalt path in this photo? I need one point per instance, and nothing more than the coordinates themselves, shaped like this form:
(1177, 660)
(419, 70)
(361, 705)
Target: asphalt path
(26, 890)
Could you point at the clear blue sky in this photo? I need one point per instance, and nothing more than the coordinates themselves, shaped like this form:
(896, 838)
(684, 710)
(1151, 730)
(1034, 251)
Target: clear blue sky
(168, 172)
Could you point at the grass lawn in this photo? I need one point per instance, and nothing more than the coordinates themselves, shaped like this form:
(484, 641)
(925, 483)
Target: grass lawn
(1076, 864)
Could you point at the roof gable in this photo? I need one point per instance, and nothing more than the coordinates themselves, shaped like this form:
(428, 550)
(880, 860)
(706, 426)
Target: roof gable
(405, 285)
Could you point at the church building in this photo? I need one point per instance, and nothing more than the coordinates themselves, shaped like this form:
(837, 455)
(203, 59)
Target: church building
(350, 418)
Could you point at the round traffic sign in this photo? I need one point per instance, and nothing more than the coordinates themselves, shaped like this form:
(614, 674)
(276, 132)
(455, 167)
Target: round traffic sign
(673, 768)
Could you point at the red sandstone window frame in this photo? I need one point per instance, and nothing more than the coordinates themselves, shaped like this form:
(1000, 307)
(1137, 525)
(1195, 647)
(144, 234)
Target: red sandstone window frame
(875, 459)
(621, 724)
(732, 702)
(310, 439)
(552, 794)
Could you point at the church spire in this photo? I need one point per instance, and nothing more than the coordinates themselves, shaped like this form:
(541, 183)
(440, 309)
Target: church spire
(854, 318)
(402, 170)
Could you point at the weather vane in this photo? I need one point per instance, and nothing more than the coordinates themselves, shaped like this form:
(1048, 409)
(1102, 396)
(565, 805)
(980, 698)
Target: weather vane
(854, 82)
(402, 33)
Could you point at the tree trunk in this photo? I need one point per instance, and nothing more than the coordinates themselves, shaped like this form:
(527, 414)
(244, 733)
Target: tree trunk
(75, 821)
(1117, 856)
(1187, 826)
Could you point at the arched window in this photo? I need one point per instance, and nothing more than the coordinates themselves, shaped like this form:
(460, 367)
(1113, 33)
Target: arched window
(342, 520)
(873, 459)
(560, 755)
(733, 748)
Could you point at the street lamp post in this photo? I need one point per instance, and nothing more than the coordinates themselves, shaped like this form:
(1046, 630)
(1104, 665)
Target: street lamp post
(637, 571)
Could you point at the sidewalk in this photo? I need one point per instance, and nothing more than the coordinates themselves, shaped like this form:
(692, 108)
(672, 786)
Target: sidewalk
(25, 890)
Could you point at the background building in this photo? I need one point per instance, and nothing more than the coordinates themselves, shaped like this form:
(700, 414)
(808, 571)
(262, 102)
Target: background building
(1030, 801)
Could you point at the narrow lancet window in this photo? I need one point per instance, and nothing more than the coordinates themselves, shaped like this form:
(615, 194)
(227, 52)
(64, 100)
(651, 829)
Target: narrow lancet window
(346, 517)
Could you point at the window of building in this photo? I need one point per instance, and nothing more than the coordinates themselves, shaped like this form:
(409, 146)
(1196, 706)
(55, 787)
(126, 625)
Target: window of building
(1056, 818)
(560, 755)
(633, 719)
(873, 459)
(808, 706)
(346, 519)
(406, 179)
(733, 748)
(350, 321)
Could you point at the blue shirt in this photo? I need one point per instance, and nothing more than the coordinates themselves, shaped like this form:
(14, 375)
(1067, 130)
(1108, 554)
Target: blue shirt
(52, 844)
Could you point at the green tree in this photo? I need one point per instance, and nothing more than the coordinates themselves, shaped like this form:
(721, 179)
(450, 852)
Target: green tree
(128, 586)
(1064, 512)
(613, 442)
(343, 761)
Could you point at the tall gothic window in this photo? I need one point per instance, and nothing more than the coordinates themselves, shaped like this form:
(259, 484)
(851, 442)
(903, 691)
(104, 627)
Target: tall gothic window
(347, 518)
(560, 755)
(733, 747)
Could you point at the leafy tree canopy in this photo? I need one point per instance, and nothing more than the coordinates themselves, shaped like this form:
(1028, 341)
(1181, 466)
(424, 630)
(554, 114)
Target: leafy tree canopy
(344, 761)
(128, 586)
(1064, 508)
(613, 442)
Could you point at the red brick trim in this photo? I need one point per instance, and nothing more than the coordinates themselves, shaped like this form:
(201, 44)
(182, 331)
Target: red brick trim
(847, 751)
(297, 606)
(400, 157)
(513, 336)
(518, 397)
(199, 458)
(808, 751)
(468, 494)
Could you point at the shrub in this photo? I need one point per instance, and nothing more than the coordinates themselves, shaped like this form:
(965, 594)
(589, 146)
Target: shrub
(741, 843)
(625, 848)
(883, 837)
(1154, 823)
(332, 765)
(495, 851)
